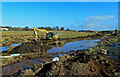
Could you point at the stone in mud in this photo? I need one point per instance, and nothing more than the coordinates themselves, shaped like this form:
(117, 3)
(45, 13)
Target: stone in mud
(107, 61)
(101, 57)
(67, 56)
(79, 68)
(37, 67)
(102, 43)
(27, 72)
(62, 58)
(95, 56)
(90, 50)
(54, 68)
(103, 51)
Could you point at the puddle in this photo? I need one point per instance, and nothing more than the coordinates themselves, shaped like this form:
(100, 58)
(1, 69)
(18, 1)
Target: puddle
(114, 52)
(76, 45)
(5, 48)
(36, 59)
(5, 42)
(15, 44)
(21, 40)
(26, 64)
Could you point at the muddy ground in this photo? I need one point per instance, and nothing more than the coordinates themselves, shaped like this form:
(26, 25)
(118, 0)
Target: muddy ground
(34, 49)
(94, 62)
(84, 63)
(44, 45)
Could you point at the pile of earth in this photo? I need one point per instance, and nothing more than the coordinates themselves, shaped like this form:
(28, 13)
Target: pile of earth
(84, 65)
(31, 47)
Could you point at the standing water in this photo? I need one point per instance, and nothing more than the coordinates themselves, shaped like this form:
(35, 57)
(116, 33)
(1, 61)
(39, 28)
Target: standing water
(5, 48)
(75, 45)
(114, 51)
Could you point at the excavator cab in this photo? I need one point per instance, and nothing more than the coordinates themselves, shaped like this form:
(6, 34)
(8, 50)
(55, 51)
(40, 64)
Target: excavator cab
(50, 35)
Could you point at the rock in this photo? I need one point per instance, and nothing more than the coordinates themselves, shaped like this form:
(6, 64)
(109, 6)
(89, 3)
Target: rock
(102, 43)
(27, 72)
(91, 49)
(107, 61)
(101, 57)
(67, 56)
(103, 51)
(63, 58)
(95, 57)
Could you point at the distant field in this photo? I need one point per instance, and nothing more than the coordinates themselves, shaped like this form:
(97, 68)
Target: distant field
(62, 34)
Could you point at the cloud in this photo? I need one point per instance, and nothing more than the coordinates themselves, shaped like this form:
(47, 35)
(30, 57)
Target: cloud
(98, 23)
(100, 18)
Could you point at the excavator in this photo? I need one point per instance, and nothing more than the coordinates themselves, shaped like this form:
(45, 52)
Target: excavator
(49, 35)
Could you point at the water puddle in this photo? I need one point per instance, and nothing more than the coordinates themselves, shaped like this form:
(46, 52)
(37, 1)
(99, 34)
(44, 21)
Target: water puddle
(5, 48)
(114, 52)
(27, 64)
(76, 45)
(37, 59)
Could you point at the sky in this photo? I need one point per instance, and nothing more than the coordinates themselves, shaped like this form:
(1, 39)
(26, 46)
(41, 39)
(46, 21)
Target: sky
(72, 15)
(60, 0)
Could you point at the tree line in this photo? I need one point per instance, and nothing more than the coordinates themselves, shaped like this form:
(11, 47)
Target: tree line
(29, 29)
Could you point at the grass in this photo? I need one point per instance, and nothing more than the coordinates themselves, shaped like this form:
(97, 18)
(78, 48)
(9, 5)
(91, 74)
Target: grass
(15, 36)
(61, 34)
(72, 34)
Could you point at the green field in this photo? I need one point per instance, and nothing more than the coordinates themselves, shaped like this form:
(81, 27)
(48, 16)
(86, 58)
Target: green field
(26, 36)
(62, 34)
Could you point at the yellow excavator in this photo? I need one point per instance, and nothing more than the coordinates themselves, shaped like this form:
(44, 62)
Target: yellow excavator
(49, 35)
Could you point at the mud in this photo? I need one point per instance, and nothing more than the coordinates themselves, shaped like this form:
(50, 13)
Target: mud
(44, 45)
(31, 47)
(80, 62)
(92, 63)
(83, 65)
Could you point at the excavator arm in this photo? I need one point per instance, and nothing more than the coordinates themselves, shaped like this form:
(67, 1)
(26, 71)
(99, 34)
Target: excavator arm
(42, 30)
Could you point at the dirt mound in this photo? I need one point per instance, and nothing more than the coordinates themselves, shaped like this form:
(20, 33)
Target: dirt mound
(83, 65)
(28, 47)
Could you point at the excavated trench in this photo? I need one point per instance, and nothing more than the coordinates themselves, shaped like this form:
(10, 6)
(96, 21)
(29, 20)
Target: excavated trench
(86, 63)
(42, 46)
(45, 45)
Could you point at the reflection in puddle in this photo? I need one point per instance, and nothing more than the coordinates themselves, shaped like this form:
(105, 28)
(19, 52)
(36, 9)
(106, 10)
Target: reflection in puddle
(15, 44)
(5, 48)
(114, 52)
(26, 64)
(76, 45)
(36, 59)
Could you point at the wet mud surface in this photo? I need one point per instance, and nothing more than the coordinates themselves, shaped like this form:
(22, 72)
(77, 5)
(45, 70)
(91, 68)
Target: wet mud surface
(84, 65)
(30, 47)
(44, 45)
(73, 63)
